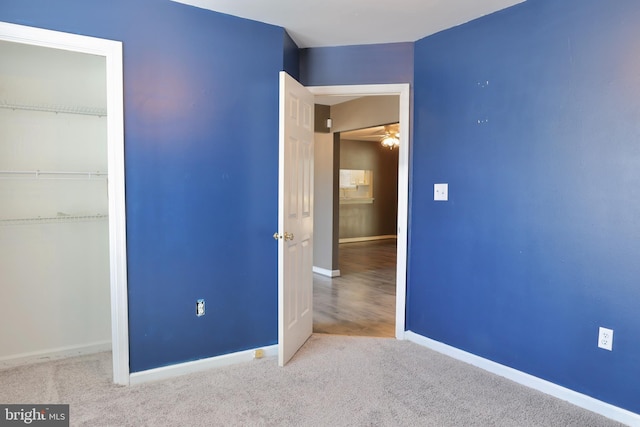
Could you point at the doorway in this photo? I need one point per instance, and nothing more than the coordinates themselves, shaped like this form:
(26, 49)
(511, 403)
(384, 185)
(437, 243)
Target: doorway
(112, 53)
(402, 90)
(361, 300)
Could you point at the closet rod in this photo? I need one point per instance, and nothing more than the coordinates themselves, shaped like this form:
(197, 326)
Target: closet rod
(38, 174)
(86, 111)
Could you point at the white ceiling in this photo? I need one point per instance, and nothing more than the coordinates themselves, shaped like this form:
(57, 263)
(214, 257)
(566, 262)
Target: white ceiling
(355, 22)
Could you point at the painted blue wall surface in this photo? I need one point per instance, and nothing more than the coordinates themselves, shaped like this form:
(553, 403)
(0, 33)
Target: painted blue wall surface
(357, 65)
(201, 141)
(291, 57)
(532, 116)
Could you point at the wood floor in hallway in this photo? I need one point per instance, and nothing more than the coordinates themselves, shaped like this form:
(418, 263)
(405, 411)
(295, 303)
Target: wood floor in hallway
(362, 300)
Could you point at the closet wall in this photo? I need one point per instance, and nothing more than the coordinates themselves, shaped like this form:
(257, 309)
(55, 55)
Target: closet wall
(54, 248)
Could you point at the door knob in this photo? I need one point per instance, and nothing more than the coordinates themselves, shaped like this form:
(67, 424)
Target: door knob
(287, 236)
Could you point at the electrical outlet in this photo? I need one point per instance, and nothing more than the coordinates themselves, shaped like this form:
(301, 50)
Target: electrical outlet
(605, 338)
(200, 307)
(441, 192)
(259, 353)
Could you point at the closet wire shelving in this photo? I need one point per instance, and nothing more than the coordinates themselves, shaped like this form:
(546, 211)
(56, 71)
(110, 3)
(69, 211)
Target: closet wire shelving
(52, 108)
(53, 219)
(56, 175)
(53, 175)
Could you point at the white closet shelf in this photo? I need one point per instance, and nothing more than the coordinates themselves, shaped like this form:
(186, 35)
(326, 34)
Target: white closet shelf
(38, 174)
(53, 219)
(87, 111)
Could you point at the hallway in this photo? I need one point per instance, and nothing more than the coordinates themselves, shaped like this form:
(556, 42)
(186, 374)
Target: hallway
(362, 300)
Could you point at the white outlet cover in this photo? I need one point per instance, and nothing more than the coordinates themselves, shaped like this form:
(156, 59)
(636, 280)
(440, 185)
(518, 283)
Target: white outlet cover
(605, 338)
(200, 307)
(441, 192)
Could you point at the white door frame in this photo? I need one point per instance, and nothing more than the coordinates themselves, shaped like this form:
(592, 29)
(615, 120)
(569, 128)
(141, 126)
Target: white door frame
(403, 91)
(112, 51)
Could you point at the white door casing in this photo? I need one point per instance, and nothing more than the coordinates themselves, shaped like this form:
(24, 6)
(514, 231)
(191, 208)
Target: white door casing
(295, 218)
(403, 91)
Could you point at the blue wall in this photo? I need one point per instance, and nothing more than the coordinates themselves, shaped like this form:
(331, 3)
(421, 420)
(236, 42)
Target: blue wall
(532, 116)
(357, 65)
(201, 141)
(291, 57)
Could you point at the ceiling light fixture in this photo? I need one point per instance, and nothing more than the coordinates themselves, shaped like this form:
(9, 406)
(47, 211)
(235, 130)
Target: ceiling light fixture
(391, 138)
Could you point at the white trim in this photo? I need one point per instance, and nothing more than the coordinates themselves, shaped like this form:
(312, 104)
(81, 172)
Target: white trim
(366, 239)
(403, 90)
(325, 272)
(281, 215)
(112, 51)
(578, 399)
(53, 354)
(200, 365)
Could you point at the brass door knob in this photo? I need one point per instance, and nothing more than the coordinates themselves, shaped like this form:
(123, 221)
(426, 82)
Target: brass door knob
(287, 236)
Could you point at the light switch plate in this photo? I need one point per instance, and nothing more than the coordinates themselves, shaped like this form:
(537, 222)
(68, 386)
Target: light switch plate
(441, 192)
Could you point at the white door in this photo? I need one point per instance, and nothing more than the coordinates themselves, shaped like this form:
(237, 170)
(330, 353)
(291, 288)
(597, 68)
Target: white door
(295, 218)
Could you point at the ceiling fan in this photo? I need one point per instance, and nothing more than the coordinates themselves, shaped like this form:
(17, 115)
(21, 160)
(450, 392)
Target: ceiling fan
(391, 137)
(388, 135)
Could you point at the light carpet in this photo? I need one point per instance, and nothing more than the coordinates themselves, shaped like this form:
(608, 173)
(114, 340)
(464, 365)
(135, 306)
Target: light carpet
(332, 381)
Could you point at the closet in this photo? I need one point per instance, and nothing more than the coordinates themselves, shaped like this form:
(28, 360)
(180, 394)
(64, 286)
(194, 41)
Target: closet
(54, 245)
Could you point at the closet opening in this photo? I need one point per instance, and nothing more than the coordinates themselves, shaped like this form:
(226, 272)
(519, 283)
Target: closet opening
(62, 221)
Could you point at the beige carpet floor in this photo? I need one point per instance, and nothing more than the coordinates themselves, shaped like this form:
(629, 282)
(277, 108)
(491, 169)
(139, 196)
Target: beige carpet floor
(332, 381)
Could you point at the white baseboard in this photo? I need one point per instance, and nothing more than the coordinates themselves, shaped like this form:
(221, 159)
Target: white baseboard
(366, 239)
(578, 399)
(47, 355)
(325, 272)
(199, 365)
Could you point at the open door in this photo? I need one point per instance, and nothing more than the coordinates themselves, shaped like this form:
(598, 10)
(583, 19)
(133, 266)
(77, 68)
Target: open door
(295, 218)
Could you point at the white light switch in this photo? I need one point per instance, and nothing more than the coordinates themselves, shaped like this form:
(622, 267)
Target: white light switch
(441, 192)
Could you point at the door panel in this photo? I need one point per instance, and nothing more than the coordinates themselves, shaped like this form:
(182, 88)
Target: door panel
(295, 222)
